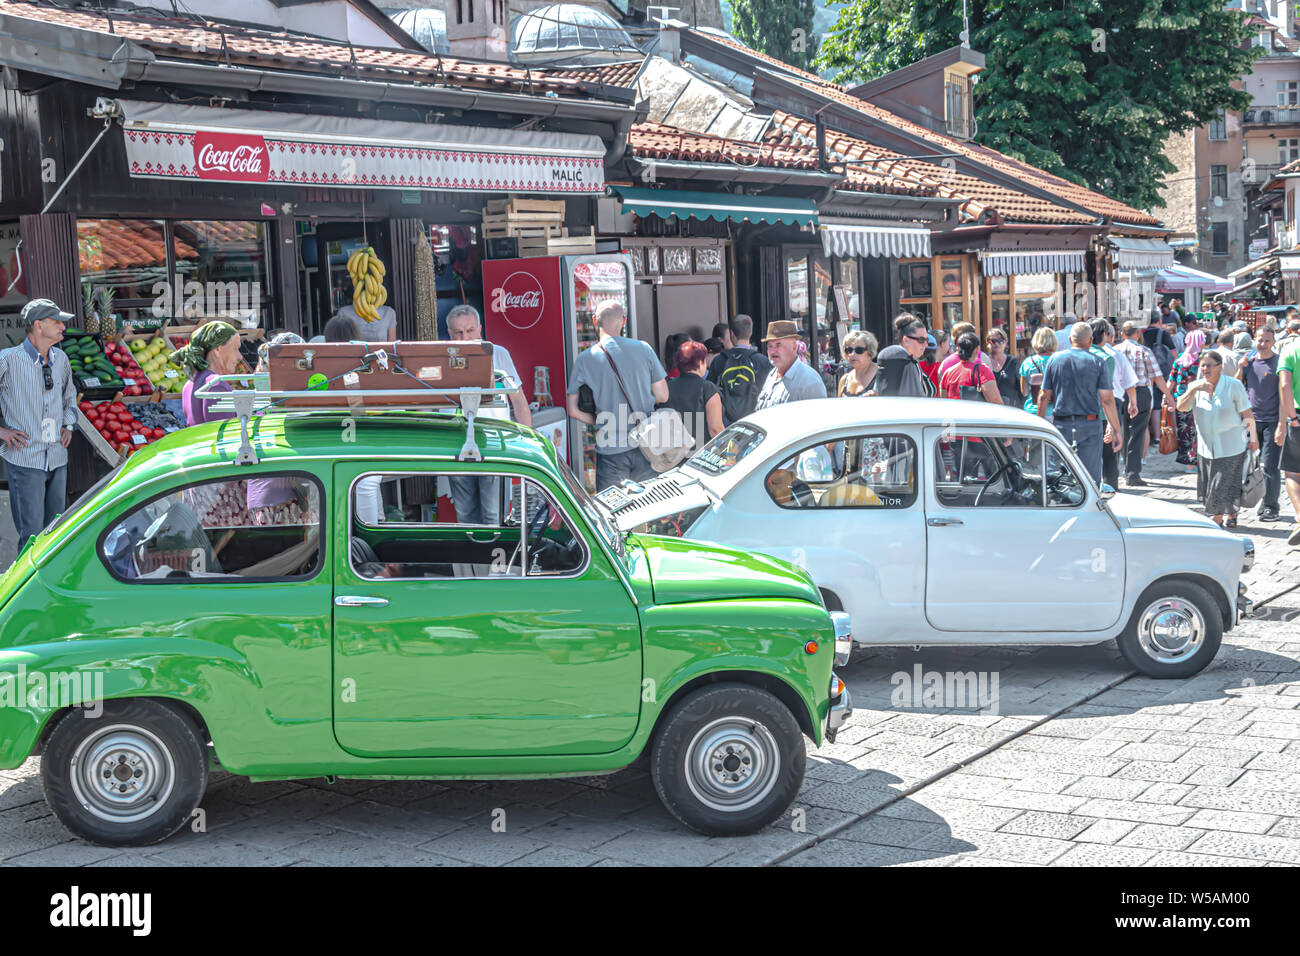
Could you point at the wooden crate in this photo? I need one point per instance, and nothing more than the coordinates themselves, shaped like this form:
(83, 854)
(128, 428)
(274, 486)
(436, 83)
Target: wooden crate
(559, 246)
(96, 440)
(495, 227)
(516, 207)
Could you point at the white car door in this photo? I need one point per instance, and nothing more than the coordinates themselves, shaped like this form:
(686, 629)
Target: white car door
(847, 509)
(1016, 539)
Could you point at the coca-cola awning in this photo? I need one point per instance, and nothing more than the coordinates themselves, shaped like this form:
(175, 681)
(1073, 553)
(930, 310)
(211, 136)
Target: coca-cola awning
(170, 141)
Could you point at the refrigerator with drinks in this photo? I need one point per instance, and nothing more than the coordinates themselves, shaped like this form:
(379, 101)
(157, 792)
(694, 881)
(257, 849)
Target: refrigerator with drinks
(543, 310)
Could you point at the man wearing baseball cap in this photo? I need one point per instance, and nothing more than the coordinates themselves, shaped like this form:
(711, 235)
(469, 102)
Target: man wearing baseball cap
(38, 411)
(790, 379)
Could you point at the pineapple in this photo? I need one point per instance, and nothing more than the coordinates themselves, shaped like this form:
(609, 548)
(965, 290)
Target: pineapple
(88, 308)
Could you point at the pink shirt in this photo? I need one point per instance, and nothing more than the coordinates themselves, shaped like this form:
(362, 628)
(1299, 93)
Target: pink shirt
(953, 359)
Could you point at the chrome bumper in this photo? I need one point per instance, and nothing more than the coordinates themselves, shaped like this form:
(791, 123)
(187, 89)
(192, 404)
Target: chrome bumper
(841, 707)
(1244, 604)
(843, 637)
(1248, 556)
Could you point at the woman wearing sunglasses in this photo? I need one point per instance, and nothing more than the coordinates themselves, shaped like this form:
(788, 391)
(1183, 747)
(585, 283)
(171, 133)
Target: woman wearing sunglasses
(860, 349)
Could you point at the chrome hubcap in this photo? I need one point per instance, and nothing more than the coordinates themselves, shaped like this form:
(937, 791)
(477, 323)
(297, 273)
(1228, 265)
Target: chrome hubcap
(122, 774)
(1171, 629)
(732, 764)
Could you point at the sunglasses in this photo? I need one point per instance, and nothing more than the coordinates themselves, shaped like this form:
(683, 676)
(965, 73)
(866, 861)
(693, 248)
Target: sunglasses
(49, 377)
(917, 338)
(856, 350)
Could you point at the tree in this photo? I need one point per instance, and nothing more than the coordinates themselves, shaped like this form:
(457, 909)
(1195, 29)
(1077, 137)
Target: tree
(779, 28)
(1086, 89)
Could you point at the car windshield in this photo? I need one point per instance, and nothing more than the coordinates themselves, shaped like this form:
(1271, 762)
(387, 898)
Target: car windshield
(596, 513)
(727, 449)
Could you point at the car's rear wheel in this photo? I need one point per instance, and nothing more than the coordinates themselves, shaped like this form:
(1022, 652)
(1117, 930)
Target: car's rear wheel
(130, 777)
(1175, 630)
(728, 759)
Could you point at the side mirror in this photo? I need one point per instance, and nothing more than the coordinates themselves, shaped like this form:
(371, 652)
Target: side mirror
(1105, 492)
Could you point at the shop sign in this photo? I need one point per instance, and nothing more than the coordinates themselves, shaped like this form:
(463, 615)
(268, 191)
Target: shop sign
(230, 157)
(1258, 247)
(519, 300)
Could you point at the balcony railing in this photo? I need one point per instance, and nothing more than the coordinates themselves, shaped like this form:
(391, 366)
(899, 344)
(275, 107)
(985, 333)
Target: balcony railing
(1272, 116)
(1257, 174)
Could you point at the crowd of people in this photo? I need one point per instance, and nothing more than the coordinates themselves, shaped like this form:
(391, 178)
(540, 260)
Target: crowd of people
(1216, 394)
(1109, 391)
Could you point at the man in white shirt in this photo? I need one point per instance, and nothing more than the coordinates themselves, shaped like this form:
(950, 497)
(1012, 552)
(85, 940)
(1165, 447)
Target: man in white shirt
(790, 379)
(1224, 348)
(478, 500)
(1124, 382)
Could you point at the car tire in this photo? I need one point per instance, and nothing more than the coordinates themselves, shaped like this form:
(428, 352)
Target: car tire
(1175, 630)
(130, 777)
(728, 759)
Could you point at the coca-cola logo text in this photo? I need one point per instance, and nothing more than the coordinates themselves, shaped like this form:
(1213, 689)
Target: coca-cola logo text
(519, 300)
(230, 156)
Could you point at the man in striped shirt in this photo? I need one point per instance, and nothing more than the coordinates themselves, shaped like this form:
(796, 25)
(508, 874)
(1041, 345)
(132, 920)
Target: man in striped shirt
(1147, 370)
(38, 410)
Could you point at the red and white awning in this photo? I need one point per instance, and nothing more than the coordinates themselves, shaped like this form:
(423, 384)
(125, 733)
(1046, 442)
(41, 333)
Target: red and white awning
(169, 141)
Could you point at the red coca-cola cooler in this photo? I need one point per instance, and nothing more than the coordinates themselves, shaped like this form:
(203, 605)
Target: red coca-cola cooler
(543, 310)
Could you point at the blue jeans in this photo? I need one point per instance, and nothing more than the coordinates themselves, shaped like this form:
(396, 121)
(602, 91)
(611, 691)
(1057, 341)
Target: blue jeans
(477, 500)
(1270, 459)
(1085, 435)
(611, 469)
(36, 498)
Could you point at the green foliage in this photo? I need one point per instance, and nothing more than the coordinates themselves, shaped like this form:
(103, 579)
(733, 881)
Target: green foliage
(1086, 89)
(779, 28)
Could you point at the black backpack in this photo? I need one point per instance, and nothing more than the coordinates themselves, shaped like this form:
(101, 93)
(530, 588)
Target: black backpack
(739, 383)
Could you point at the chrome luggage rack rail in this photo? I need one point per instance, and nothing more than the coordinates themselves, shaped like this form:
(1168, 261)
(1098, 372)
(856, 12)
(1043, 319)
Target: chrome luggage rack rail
(260, 398)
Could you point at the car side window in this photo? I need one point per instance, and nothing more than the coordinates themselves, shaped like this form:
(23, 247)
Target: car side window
(516, 530)
(870, 471)
(997, 471)
(264, 528)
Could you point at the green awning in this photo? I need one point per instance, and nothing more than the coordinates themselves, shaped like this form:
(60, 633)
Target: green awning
(720, 206)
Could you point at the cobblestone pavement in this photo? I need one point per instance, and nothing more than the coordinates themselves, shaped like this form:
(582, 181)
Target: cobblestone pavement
(1085, 763)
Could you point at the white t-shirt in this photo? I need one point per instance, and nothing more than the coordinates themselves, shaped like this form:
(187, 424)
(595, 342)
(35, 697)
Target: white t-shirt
(383, 329)
(1124, 377)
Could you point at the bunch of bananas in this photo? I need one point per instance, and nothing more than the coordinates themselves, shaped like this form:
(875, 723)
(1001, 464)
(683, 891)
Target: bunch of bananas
(368, 292)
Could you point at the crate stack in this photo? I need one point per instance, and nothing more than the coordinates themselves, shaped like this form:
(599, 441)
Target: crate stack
(537, 226)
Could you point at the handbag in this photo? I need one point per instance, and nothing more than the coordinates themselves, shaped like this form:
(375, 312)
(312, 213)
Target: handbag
(1168, 431)
(662, 437)
(1252, 481)
(973, 393)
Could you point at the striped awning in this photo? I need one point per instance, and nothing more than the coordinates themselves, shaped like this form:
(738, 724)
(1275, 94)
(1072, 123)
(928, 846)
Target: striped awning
(1031, 263)
(891, 241)
(1289, 266)
(1141, 253)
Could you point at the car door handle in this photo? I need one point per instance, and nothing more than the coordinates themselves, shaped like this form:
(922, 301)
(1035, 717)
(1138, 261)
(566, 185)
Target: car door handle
(942, 522)
(352, 600)
(474, 536)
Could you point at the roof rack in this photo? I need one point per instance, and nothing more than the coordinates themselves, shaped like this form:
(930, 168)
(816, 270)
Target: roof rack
(248, 402)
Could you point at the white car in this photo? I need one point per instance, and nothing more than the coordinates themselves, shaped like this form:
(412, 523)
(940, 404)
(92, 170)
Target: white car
(938, 522)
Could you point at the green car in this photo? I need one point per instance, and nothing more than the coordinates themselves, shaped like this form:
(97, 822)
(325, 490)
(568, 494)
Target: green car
(316, 609)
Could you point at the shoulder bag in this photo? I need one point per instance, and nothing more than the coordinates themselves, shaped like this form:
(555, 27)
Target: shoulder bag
(1252, 481)
(1168, 429)
(972, 393)
(662, 437)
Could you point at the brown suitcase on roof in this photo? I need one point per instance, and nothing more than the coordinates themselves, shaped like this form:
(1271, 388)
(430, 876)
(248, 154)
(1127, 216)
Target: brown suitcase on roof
(335, 368)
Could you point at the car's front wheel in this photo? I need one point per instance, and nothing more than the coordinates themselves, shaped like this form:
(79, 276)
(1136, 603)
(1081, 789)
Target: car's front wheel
(130, 777)
(728, 759)
(1175, 630)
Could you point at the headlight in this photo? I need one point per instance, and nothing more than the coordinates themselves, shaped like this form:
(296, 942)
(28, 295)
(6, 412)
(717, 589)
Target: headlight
(843, 637)
(1248, 558)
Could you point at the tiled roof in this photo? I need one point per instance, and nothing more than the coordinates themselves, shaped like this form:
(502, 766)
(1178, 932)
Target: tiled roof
(622, 75)
(1063, 189)
(667, 142)
(211, 41)
(977, 196)
(658, 141)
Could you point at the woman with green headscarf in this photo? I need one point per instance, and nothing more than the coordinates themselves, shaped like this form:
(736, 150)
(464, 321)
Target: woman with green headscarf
(213, 350)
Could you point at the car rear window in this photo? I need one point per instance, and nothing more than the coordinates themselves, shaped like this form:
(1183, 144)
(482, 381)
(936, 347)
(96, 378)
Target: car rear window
(263, 528)
(727, 449)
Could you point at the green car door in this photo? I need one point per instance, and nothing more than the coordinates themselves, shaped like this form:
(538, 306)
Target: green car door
(513, 636)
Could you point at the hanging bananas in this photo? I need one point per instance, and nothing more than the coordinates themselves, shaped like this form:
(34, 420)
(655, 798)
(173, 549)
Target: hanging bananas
(367, 274)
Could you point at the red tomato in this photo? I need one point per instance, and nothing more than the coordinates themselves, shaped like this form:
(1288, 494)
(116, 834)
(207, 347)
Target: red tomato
(117, 407)
(119, 435)
(85, 406)
(157, 433)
